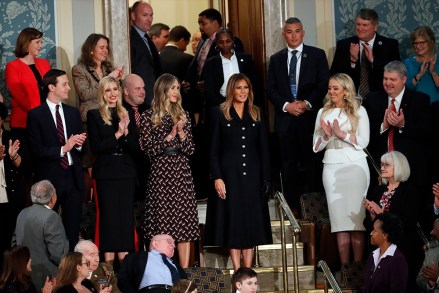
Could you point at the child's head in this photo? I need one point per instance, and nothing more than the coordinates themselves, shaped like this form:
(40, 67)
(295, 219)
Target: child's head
(245, 280)
(184, 286)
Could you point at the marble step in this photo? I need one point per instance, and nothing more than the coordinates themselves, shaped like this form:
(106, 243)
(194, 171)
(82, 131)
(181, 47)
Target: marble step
(269, 256)
(271, 279)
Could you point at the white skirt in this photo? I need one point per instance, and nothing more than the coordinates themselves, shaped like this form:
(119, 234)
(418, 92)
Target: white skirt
(346, 186)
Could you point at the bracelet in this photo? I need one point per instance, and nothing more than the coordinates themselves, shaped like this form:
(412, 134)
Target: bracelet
(14, 158)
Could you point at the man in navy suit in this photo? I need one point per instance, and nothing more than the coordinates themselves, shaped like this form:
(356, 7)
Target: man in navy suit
(378, 51)
(56, 138)
(145, 59)
(295, 111)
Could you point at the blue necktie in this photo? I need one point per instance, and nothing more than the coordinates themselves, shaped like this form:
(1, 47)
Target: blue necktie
(174, 272)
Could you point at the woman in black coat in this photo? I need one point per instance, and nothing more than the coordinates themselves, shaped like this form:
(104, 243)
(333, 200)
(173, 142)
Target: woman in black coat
(237, 216)
(114, 170)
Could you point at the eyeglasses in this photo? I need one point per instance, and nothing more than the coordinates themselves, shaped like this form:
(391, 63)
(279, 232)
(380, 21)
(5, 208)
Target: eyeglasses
(87, 263)
(420, 43)
(385, 165)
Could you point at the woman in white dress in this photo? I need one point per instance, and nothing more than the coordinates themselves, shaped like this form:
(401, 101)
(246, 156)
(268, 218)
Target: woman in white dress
(342, 128)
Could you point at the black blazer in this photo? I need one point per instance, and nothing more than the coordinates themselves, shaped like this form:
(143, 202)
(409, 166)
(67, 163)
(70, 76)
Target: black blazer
(214, 77)
(313, 85)
(142, 64)
(175, 62)
(46, 147)
(104, 145)
(384, 50)
(414, 141)
(132, 270)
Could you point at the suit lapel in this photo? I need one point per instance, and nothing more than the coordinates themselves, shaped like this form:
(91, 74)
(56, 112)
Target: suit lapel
(284, 66)
(303, 62)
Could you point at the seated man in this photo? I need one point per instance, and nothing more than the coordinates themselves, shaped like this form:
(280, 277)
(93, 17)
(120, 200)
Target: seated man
(102, 274)
(428, 277)
(151, 271)
(41, 229)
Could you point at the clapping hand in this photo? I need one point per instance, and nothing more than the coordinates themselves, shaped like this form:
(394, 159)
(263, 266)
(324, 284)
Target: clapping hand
(354, 51)
(372, 207)
(105, 289)
(326, 127)
(13, 148)
(368, 52)
(433, 64)
(49, 285)
(118, 73)
(337, 131)
(431, 272)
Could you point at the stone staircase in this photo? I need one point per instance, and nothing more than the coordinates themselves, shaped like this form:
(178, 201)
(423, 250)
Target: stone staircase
(268, 259)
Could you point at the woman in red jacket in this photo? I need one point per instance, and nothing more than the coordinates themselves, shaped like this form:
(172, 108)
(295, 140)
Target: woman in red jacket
(24, 78)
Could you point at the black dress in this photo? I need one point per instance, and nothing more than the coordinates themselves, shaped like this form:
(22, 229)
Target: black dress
(240, 157)
(170, 206)
(115, 174)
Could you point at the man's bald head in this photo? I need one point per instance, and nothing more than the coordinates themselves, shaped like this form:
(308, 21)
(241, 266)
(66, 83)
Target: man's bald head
(133, 89)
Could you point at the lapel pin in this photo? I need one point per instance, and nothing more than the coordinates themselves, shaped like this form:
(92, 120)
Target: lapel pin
(304, 55)
(380, 43)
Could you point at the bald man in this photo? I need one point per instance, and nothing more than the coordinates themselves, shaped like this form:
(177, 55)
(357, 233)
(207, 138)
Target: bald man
(101, 274)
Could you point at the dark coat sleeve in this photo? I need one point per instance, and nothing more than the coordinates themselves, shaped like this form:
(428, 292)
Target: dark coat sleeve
(131, 272)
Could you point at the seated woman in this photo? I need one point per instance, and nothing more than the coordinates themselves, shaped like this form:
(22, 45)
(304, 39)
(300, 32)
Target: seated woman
(245, 280)
(422, 65)
(72, 275)
(15, 276)
(184, 286)
(386, 269)
(397, 196)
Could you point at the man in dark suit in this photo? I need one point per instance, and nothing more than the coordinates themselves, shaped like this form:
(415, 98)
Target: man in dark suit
(400, 120)
(152, 271)
(376, 49)
(297, 82)
(41, 230)
(55, 139)
(145, 60)
(174, 60)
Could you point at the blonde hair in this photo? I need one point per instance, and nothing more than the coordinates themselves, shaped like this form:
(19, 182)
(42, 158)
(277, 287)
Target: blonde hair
(351, 104)
(253, 110)
(104, 108)
(161, 104)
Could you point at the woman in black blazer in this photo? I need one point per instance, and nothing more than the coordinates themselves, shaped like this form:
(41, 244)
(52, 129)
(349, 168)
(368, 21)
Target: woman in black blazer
(229, 61)
(114, 170)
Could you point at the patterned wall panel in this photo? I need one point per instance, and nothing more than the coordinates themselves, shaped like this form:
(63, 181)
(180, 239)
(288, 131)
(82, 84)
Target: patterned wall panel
(16, 15)
(397, 18)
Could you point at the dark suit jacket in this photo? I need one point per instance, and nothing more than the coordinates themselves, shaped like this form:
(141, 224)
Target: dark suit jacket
(46, 147)
(103, 144)
(132, 270)
(413, 141)
(175, 62)
(142, 64)
(313, 85)
(384, 50)
(214, 77)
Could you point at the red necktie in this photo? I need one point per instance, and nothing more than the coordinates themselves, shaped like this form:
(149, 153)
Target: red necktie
(137, 116)
(392, 129)
(61, 137)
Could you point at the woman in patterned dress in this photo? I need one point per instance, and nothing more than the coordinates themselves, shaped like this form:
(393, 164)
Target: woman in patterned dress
(165, 136)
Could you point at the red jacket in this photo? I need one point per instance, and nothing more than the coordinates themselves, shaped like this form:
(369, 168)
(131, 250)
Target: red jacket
(23, 86)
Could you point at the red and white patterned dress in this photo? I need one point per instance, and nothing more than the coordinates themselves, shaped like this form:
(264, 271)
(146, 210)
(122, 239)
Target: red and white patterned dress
(170, 206)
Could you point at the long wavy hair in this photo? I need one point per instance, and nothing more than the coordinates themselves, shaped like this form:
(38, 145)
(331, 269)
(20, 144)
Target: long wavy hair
(87, 48)
(104, 108)
(254, 111)
(161, 104)
(351, 104)
(67, 271)
(15, 268)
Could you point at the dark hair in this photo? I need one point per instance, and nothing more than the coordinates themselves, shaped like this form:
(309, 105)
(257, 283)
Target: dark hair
(391, 224)
(183, 286)
(224, 31)
(242, 274)
(212, 14)
(292, 20)
(156, 29)
(368, 14)
(179, 32)
(87, 48)
(15, 268)
(67, 272)
(51, 77)
(24, 38)
(3, 111)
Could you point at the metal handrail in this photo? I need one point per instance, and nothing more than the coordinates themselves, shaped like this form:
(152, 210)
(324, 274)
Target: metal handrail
(284, 209)
(329, 277)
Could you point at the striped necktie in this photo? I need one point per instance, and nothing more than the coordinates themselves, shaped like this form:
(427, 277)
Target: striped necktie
(61, 137)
